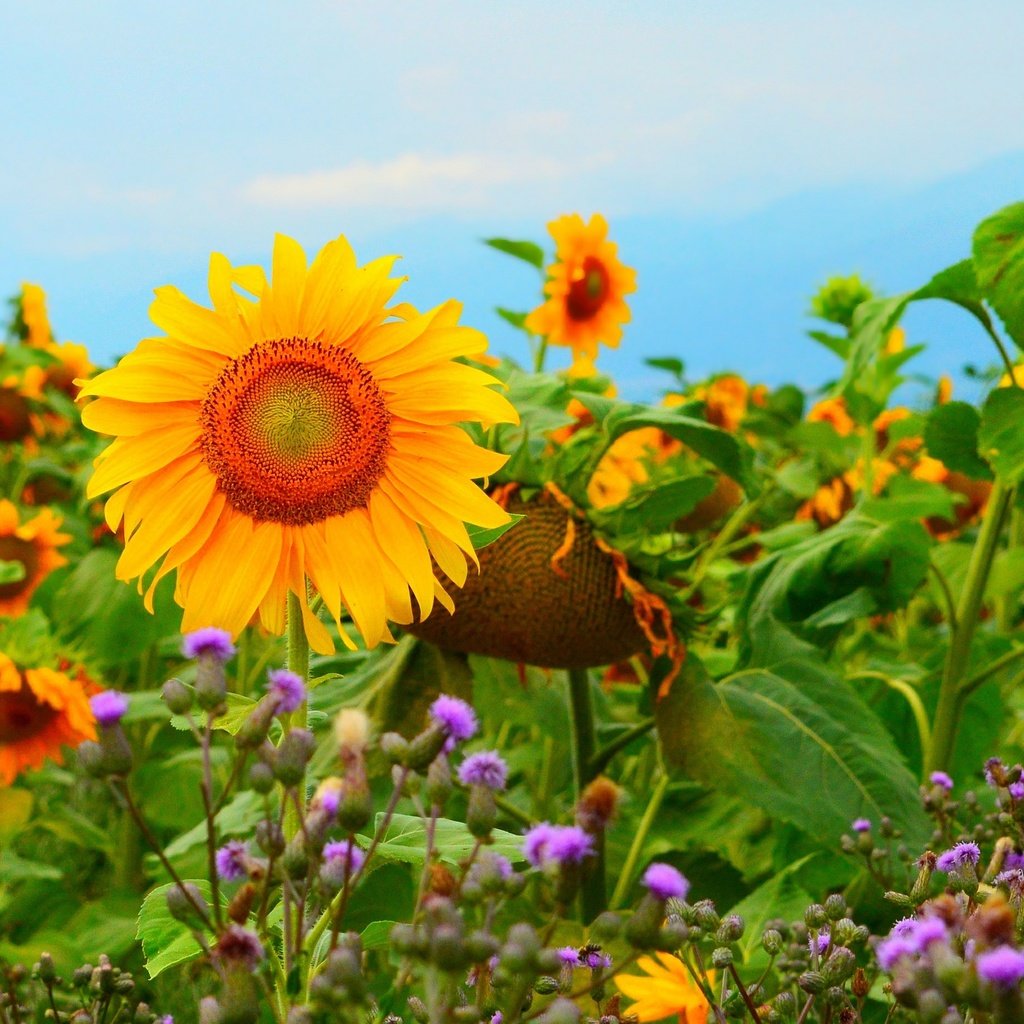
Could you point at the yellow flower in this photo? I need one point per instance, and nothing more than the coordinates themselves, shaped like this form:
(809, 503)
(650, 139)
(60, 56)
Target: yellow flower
(34, 545)
(586, 288)
(666, 991)
(725, 401)
(41, 710)
(896, 342)
(71, 363)
(307, 432)
(33, 314)
(833, 411)
(623, 467)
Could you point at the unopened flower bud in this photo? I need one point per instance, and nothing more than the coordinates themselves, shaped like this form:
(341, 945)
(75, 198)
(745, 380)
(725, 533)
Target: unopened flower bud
(730, 930)
(394, 747)
(546, 985)
(45, 970)
(211, 687)
(839, 966)
(815, 916)
(418, 1010)
(772, 942)
(177, 696)
(447, 949)
(270, 837)
(425, 747)
(182, 904)
(811, 982)
(835, 907)
(352, 731)
(481, 811)
(438, 785)
(705, 915)
(256, 725)
(721, 957)
(261, 777)
(597, 805)
(481, 946)
(673, 934)
(860, 985)
(292, 756)
(843, 932)
(835, 997)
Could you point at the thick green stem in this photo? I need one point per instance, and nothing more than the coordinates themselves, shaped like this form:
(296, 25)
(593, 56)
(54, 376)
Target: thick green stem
(633, 857)
(298, 662)
(951, 693)
(584, 744)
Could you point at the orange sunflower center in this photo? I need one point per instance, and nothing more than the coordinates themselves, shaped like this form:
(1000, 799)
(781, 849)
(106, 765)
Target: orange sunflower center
(23, 715)
(296, 431)
(14, 549)
(588, 289)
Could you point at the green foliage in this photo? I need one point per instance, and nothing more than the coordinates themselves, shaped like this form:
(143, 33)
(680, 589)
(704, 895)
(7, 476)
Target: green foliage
(951, 436)
(528, 252)
(1000, 438)
(998, 252)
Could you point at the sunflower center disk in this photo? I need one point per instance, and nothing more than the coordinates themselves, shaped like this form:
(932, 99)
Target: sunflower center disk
(588, 289)
(21, 715)
(296, 431)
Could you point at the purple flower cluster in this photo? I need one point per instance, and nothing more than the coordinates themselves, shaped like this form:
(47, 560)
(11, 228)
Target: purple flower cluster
(817, 944)
(957, 858)
(230, 860)
(342, 859)
(108, 707)
(455, 717)
(861, 825)
(487, 769)
(909, 937)
(569, 956)
(287, 688)
(942, 780)
(1002, 967)
(557, 844)
(208, 640)
(664, 882)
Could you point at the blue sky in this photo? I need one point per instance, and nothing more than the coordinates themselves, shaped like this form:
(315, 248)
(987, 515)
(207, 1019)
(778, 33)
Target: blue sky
(742, 151)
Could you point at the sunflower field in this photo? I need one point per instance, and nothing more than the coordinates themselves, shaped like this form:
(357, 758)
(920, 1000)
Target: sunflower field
(350, 671)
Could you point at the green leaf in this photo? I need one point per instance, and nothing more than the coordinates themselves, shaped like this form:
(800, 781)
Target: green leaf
(668, 363)
(998, 251)
(406, 841)
(951, 436)
(770, 740)
(377, 935)
(529, 252)
(11, 572)
(1000, 437)
(655, 508)
(481, 537)
(165, 940)
(237, 817)
(780, 897)
(910, 499)
(16, 869)
(517, 320)
(239, 707)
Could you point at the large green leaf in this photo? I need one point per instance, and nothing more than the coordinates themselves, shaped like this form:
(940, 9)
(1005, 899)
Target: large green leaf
(1000, 437)
(766, 737)
(999, 264)
(951, 436)
(165, 940)
(406, 841)
(655, 507)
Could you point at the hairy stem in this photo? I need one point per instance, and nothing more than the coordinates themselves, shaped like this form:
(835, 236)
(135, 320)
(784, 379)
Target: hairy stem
(583, 743)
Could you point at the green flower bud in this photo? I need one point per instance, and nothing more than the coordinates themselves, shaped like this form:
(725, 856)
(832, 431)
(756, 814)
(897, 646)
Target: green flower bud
(546, 986)
(835, 907)
(772, 942)
(730, 930)
(45, 970)
(811, 982)
(177, 696)
(721, 957)
(261, 777)
(211, 687)
(424, 748)
(395, 748)
(182, 904)
(815, 916)
(439, 781)
(839, 966)
(293, 755)
(481, 811)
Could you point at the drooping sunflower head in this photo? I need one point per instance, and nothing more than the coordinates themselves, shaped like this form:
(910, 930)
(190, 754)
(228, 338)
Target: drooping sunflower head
(41, 711)
(586, 289)
(32, 545)
(299, 429)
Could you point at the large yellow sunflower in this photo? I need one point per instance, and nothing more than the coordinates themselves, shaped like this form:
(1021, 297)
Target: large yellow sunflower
(664, 990)
(308, 432)
(41, 710)
(34, 545)
(586, 288)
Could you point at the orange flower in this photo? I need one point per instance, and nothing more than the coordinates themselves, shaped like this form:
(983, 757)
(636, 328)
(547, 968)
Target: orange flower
(72, 362)
(834, 499)
(41, 710)
(586, 289)
(34, 544)
(665, 990)
(903, 448)
(896, 342)
(973, 492)
(944, 390)
(725, 401)
(832, 411)
(33, 314)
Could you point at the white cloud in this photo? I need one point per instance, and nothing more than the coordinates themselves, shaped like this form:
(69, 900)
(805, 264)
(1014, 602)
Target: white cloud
(411, 181)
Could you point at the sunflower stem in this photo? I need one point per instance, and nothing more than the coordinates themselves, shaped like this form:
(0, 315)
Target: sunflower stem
(584, 744)
(298, 662)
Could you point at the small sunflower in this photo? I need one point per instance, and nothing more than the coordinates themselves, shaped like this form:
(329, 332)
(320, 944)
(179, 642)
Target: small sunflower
(308, 432)
(833, 411)
(19, 418)
(665, 990)
(41, 711)
(725, 401)
(586, 289)
(34, 545)
(971, 497)
(71, 363)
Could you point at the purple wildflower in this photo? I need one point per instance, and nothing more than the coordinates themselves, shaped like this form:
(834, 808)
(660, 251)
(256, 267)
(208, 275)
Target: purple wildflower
(535, 842)
(569, 844)
(455, 716)
(288, 688)
(960, 856)
(993, 766)
(903, 928)
(817, 944)
(330, 801)
(108, 707)
(1016, 790)
(1002, 967)
(664, 882)
(861, 825)
(942, 780)
(1013, 860)
(165, 1019)
(596, 960)
(208, 640)
(569, 956)
(345, 853)
(502, 865)
(484, 769)
(241, 945)
(497, 1017)
(231, 858)
(927, 930)
(892, 950)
